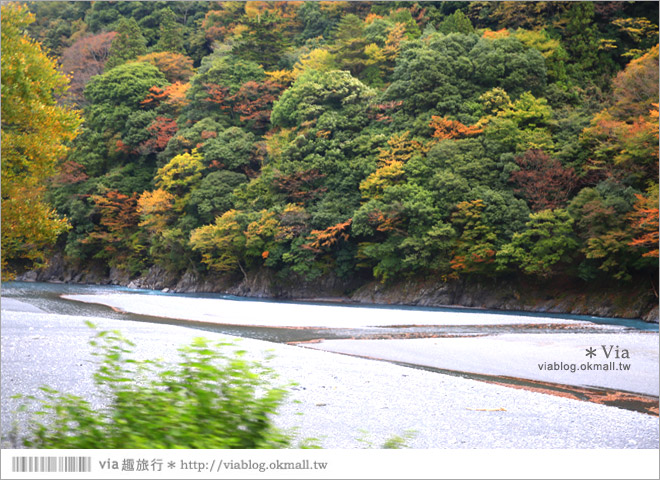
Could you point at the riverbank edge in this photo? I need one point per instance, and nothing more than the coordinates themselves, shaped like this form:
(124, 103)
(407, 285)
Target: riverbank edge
(560, 296)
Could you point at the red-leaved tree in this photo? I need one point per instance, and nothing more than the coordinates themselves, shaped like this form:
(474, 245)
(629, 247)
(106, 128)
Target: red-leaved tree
(162, 129)
(84, 59)
(300, 187)
(254, 102)
(543, 181)
(117, 228)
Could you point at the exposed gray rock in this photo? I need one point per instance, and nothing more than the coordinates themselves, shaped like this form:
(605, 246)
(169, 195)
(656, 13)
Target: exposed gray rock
(652, 316)
(257, 284)
(187, 283)
(30, 276)
(631, 301)
(508, 295)
(119, 277)
(156, 278)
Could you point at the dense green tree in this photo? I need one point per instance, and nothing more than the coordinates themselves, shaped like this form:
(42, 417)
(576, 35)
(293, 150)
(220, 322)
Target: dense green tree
(189, 138)
(127, 45)
(328, 113)
(115, 121)
(544, 248)
(349, 45)
(507, 63)
(102, 14)
(581, 41)
(316, 22)
(57, 24)
(465, 158)
(213, 195)
(457, 22)
(264, 40)
(554, 54)
(171, 33)
(233, 149)
(113, 95)
(445, 75)
(316, 94)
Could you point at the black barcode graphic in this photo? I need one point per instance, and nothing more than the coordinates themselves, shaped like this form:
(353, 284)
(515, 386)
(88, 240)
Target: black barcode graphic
(51, 464)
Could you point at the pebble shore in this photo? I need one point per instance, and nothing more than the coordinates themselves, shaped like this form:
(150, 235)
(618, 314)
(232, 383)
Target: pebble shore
(342, 401)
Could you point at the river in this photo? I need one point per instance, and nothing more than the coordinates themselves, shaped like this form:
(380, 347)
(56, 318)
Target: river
(546, 355)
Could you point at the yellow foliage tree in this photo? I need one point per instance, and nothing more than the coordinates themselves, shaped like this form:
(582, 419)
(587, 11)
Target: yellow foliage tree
(155, 209)
(391, 160)
(222, 245)
(34, 131)
(318, 59)
(180, 175)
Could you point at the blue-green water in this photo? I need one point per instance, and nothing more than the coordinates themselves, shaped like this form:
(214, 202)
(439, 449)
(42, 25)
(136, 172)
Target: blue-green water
(47, 297)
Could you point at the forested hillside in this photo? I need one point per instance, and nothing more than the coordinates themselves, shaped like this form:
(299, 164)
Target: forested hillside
(361, 140)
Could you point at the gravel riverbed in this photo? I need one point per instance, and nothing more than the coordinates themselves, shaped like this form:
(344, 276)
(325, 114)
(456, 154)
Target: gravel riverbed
(344, 402)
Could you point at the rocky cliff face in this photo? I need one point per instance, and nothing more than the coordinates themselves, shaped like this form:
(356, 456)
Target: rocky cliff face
(573, 299)
(631, 301)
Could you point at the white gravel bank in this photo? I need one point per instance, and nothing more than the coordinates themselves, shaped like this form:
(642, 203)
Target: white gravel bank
(634, 356)
(264, 313)
(340, 397)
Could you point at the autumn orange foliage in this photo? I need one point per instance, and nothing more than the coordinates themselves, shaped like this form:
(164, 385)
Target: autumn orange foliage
(387, 221)
(173, 95)
(645, 221)
(495, 35)
(320, 239)
(162, 129)
(217, 94)
(254, 101)
(119, 216)
(543, 181)
(446, 129)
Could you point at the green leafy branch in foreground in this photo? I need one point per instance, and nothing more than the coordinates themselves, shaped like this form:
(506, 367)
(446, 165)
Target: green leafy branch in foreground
(212, 398)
